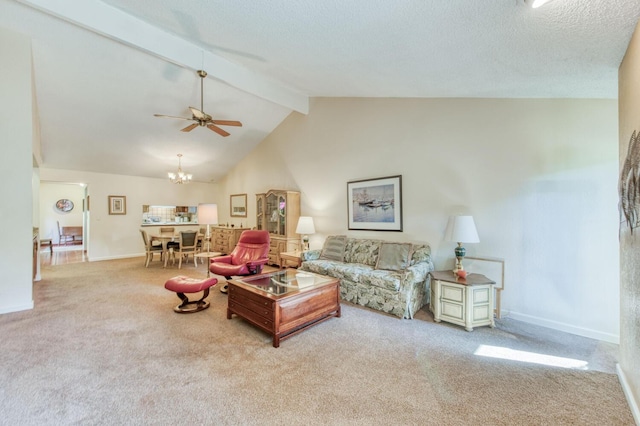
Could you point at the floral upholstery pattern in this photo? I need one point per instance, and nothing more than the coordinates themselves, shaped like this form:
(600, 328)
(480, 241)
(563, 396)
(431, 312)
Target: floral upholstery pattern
(398, 293)
(362, 251)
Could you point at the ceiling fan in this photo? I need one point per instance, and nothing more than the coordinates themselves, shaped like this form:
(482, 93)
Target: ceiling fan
(201, 118)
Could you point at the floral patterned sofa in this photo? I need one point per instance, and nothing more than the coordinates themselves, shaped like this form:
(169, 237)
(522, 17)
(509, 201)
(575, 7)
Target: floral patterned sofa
(386, 276)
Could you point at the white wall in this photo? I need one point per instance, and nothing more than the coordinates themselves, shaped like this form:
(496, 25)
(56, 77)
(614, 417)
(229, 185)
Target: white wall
(16, 161)
(629, 98)
(118, 236)
(539, 176)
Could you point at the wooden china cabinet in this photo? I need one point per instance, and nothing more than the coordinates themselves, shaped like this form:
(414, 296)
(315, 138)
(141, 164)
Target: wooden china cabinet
(277, 211)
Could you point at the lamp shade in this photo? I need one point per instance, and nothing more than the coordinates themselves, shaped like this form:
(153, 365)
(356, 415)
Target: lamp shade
(305, 225)
(208, 214)
(462, 229)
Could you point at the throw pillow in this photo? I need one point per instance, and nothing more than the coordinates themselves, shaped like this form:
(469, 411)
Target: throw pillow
(334, 248)
(394, 256)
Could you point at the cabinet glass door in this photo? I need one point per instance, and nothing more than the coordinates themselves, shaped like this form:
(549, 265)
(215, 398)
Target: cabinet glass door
(272, 214)
(260, 214)
(282, 210)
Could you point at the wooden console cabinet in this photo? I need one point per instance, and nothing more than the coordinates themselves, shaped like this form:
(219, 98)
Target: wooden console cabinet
(224, 239)
(466, 302)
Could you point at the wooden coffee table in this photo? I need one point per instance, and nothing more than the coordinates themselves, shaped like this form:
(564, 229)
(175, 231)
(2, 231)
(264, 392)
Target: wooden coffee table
(283, 305)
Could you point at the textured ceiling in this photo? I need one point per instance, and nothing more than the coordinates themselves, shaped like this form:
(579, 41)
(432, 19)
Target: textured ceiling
(102, 69)
(419, 48)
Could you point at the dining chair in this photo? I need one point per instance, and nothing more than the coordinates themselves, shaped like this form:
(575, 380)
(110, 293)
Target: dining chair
(63, 239)
(150, 249)
(188, 245)
(171, 245)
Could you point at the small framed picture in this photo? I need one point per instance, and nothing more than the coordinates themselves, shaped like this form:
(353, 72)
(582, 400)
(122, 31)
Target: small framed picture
(117, 204)
(238, 205)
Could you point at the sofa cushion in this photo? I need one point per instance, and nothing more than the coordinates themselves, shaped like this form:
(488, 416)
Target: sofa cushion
(380, 278)
(421, 253)
(362, 251)
(334, 248)
(394, 256)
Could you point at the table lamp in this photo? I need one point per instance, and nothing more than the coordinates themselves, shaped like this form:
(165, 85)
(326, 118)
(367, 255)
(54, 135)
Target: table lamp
(461, 229)
(208, 215)
(305, 227)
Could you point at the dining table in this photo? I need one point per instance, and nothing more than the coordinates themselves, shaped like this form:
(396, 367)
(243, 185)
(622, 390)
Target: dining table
(165, 238)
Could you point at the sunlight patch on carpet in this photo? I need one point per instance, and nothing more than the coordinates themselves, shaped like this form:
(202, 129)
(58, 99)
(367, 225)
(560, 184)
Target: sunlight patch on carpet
(531, 357)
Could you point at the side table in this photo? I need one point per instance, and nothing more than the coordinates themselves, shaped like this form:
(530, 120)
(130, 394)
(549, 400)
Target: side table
(208, 255)
(290, 257)
(466, 302)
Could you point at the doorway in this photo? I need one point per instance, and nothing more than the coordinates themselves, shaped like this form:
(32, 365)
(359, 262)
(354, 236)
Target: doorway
(63, 222)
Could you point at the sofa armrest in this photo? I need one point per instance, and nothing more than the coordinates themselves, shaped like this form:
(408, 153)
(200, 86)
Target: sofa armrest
(417, 273)
(310, 255)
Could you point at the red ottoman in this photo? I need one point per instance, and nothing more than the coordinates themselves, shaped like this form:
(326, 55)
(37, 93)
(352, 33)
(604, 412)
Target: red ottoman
(182, 285)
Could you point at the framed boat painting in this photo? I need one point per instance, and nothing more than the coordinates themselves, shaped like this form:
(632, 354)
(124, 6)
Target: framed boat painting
(375, 204)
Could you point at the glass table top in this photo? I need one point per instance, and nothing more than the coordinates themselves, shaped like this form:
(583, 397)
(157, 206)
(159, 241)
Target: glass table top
(284, 281)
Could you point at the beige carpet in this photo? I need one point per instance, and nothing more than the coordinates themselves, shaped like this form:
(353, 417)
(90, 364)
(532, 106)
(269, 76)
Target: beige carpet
(103, 346)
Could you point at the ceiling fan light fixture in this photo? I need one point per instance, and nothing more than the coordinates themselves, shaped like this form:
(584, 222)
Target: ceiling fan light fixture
(180, 177)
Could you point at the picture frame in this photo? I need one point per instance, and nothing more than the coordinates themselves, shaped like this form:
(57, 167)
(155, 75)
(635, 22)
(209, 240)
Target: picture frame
(375, 204)
(238, 205)
(117, 204)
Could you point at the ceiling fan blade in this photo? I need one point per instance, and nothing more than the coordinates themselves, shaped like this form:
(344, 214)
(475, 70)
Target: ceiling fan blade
(218, 130)
(190, 127)
(171, 116)
(227, 123)
(197, 113)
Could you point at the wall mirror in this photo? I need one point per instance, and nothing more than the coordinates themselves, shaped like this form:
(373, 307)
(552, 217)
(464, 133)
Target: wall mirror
(238, 205)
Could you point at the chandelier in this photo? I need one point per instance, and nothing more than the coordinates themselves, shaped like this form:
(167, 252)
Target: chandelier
(180, 177)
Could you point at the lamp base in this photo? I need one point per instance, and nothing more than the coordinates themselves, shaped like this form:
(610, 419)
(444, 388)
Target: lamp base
(458, 266)
(460, 252)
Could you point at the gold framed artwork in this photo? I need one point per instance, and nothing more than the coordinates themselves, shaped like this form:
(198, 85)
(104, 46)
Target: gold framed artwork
(238, 205)
(117, 204)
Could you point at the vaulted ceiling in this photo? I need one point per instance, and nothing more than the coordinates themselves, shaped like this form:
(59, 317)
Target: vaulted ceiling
(102, 69)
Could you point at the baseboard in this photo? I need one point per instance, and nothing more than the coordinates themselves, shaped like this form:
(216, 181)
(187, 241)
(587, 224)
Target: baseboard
(633, 404)
(18, 308)
(568, 328)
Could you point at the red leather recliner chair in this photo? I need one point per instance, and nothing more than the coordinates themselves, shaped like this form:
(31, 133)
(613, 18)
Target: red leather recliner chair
(247, 258)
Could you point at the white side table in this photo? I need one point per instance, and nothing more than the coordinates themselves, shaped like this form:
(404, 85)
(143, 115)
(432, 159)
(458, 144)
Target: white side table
(466, 302)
